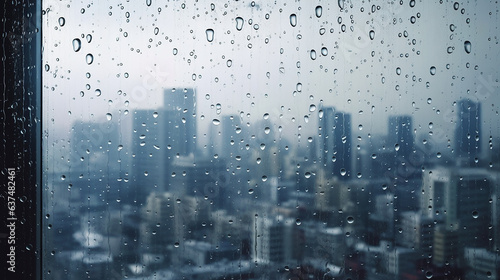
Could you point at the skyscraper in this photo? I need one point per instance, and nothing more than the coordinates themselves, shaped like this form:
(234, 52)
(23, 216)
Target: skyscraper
(400, 135)
(159, 136)
(468, 131)
(335, 142)
(227, 138)
(147, 153)
(179, 127)
(461, 197)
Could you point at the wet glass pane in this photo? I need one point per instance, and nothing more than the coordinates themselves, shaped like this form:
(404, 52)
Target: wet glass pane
(271, 140)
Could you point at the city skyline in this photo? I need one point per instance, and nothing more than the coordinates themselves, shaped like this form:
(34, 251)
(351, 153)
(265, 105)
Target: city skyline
(258, 140)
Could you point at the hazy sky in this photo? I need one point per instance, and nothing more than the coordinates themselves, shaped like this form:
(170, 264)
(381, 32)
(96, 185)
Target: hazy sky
(139, 50)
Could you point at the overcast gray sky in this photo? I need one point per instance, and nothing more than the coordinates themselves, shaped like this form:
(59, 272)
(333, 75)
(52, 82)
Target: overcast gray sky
(139, 50)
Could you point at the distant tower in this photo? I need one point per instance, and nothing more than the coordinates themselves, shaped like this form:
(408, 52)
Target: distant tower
(335, 142)
(179, 127)
(468, 131)
(461, 196)
(400, 135)
(227, 137)
(147, 154)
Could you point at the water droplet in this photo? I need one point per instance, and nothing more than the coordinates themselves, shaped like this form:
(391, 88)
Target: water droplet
(372, 34)
(343, 172)
(429, 100)
(109, 116)
(319, 11)
(264, 178)
(456, 6)
(341, 4)
(62, 21)
(267, 130)
(324, 51)
(350, 219)
(89, 38)
(433, 70)
(176, 244)
(250, 191)
(98, 92)
(467, 46)
(229, 63)
(313, 54)
(298, 222)
(398, 71)
(210, 34)
(239, 23)
(157, 30)
(148, 2)
(47, 67)
(452, 27)
(89, 58)
(77, 44)
(396, 147)
(63, 177)
(428, 274)
(175, 51)
(298, 87)
(293, 20)
(307, 175)
(475, 214)
(312, 108)
(215, 121)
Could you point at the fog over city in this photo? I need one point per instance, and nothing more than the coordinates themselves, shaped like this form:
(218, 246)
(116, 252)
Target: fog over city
(265, 140)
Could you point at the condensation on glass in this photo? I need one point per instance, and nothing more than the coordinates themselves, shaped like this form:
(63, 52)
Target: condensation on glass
(271, 140)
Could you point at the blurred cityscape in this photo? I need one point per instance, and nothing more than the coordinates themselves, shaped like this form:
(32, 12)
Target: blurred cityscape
(251, 205)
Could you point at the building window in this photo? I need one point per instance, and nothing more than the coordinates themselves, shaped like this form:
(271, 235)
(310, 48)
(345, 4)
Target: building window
(270, 140)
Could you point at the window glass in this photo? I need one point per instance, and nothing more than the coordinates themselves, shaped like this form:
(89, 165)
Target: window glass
(270, 140)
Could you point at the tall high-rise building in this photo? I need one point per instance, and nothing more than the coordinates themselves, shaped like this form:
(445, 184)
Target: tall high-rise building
(227, 138)
(179, 127)
(401, 135)
(147, 154)
(335, 142)
(159, 137)
(275, 240)
(462, 198)
(468, 131)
